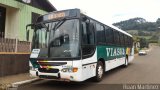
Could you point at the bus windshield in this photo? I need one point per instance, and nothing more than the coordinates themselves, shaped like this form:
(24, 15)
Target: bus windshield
(59, 39)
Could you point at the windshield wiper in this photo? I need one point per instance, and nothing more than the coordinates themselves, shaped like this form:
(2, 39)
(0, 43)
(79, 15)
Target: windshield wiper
(59, 24)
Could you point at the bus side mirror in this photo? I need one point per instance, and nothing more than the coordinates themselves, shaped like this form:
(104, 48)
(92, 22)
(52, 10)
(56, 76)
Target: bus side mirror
(27, 35)
(28, 30)
(84, 18)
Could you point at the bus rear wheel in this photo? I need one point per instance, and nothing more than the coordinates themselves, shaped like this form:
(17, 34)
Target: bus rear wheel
(99, 71)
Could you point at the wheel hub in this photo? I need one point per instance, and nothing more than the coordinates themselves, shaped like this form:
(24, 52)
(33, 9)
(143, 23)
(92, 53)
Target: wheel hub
(100, 71)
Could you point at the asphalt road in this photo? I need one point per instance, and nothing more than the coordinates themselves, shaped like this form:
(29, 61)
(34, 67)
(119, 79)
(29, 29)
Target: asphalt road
(143, 70)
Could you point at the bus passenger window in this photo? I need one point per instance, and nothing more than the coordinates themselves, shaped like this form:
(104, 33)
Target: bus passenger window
(100, 34)
(88, 39)
(87, 34)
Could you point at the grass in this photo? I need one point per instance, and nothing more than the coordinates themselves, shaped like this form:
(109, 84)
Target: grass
(135, 32)
(146, 37)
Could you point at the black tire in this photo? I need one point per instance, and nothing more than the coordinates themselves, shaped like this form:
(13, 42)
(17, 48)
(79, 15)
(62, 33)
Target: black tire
(99, 71)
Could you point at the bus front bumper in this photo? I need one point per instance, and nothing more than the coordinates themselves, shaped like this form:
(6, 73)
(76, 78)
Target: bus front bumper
(57, 76)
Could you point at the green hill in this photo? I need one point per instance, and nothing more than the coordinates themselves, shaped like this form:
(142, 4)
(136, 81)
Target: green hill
(141, 28)
(138, 24)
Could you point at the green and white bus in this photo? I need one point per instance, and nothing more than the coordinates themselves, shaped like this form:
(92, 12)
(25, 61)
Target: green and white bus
(68, 45)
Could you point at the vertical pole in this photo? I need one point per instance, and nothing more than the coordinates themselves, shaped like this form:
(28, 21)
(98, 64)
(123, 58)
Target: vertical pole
(16, 45)
(30, 46)
(159, 40)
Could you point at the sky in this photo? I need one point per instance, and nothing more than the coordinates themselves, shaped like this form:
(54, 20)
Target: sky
(112, 11)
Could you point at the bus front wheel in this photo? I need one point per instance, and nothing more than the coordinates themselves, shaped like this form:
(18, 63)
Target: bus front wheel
(99, 71)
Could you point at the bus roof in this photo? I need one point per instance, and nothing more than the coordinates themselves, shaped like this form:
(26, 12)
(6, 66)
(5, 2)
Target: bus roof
(74, 13)
(109, 25)
(120, 30)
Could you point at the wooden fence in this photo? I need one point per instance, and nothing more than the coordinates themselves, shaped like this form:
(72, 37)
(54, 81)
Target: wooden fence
(14, 56)
(14, 45)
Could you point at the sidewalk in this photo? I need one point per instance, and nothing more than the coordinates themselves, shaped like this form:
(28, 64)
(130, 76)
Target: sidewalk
(7, 81)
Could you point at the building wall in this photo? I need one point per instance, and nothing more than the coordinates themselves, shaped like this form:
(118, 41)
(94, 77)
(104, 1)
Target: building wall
(18, 16)
(11, 27)
(10, 65)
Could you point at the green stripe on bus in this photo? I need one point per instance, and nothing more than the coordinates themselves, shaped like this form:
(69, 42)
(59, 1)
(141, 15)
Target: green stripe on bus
(110, 52)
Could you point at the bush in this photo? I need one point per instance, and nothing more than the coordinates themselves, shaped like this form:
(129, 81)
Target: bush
(135, 50)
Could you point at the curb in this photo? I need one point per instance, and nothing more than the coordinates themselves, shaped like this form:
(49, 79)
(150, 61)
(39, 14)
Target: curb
(17, 84)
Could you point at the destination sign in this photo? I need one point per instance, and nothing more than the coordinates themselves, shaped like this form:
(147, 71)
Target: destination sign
(72, 13)
(57, 15)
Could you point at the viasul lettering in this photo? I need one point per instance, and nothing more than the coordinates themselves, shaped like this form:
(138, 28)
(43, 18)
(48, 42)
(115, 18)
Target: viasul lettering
(115, 51)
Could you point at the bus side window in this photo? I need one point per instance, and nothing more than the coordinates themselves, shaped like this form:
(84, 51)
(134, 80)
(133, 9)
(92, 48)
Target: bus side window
(122, 40)
(109, 36)
(126, 41)
(88, 39)
(116, 38)
(88, 34)
(84, 34)
(91, 34)
(100, 34)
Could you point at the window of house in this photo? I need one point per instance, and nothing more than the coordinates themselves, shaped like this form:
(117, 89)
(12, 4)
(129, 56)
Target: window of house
(2, 21)
(35, 17)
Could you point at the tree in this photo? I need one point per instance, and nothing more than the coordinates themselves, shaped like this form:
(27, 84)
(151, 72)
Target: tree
(138, 24)
(158, 21)
(144, 43)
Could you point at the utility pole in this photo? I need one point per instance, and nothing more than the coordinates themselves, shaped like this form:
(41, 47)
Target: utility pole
(159, 36)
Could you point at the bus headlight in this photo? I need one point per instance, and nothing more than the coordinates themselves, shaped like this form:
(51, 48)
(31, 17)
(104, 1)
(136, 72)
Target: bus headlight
(74, 69)
(64, 70)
